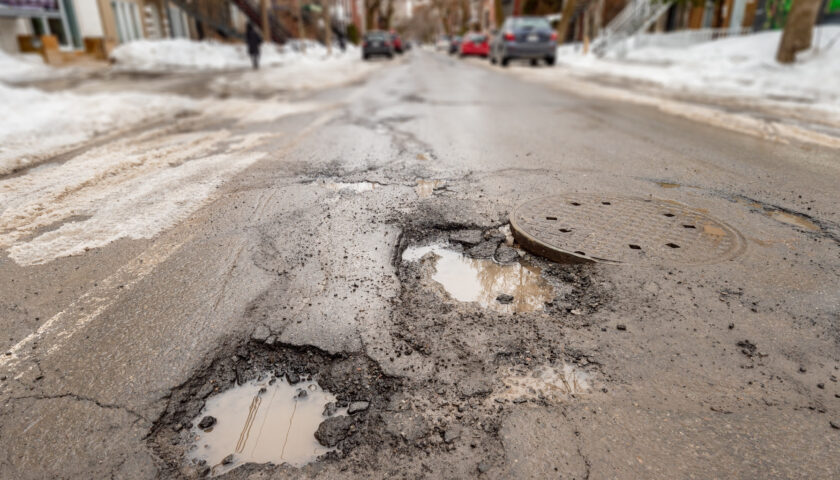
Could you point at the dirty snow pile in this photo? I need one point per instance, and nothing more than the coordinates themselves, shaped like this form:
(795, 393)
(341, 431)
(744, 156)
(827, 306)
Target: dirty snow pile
(36, 124)
(294, 66)
(188, 55)
(742, 66)
(312, 70)
(16, 68)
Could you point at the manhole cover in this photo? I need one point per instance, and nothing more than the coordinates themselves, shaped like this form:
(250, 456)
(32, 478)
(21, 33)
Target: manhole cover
(615, 229)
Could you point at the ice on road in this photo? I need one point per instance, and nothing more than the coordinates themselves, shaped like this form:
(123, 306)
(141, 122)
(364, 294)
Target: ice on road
(35, 124)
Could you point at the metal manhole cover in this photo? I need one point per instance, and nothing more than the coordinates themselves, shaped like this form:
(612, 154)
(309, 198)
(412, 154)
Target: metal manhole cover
(616, 229)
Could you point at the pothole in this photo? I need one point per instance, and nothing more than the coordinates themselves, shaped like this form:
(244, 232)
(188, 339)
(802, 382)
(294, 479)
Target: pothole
(425, 188)
(266, 420)
(544, 383)
(272, 405)
(794, 220)
(357, 187)
(508, 288)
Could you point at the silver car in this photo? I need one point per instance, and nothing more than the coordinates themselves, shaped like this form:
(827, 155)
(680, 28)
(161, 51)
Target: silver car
(529, 38)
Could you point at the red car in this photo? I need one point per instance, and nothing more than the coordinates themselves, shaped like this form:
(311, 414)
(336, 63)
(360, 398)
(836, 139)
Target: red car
(397, 41)
(475, 44)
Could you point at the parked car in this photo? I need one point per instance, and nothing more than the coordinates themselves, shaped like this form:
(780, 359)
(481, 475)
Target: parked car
(442, 44)
(524, 37)
(475, 44)
(455, 44)
(377, 42)
(397, 42)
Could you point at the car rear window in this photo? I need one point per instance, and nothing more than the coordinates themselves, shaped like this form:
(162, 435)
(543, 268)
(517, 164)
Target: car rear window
(531, 23)
(376, 36)
(478, 38)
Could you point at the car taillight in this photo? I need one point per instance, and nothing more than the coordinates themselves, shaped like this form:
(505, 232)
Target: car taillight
(553, 35)
(509, 36)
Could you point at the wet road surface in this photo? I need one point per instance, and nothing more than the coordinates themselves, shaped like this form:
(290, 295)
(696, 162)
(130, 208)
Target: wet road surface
(726, 369)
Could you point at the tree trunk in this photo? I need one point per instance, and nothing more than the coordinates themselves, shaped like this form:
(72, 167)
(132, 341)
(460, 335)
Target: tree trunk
(266, 30)
(799, 29)
(327, 27)
(565, 19)
(499, 14)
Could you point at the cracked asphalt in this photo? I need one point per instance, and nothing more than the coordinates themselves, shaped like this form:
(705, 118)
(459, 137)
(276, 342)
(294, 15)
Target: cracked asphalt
(721, 370)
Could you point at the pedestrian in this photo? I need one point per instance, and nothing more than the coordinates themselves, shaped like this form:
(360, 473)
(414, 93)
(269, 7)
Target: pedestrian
(341, 42)
(254, 40)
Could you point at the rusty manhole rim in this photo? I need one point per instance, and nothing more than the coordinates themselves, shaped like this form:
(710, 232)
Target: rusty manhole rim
(536, 246)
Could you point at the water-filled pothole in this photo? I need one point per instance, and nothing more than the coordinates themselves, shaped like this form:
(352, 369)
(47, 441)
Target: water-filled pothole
(357, 187)
(425, 188)
(262, 421)
(546, 382)
(515, 287)
(795, 220)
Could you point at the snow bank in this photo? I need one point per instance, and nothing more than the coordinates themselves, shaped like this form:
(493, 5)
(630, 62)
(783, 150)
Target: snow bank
(15, 68)
(736, 66)
(133, 188)
(185, 55)
(312, 70)
(35, 124)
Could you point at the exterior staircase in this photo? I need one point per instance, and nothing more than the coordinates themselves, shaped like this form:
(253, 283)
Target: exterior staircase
(634, 19)
(223, 27)
(278, 33)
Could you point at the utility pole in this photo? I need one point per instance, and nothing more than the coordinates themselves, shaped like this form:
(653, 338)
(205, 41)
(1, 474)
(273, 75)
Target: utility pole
(265, 28)
(327, 27)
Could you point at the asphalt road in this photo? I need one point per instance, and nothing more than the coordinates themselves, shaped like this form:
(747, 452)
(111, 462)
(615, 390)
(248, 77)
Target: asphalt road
(98, 341)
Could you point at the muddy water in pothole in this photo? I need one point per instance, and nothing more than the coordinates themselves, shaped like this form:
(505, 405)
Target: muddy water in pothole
(795, 220)
(425, 188)
(357, 187)
(545, 382)
(481, 281)
(259, 422)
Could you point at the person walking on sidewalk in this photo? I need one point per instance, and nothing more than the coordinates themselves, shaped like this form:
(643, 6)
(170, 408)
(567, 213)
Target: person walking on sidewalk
(254, 40)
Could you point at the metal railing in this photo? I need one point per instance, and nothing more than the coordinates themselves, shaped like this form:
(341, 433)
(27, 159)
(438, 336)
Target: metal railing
(634, 19)
(685, 38)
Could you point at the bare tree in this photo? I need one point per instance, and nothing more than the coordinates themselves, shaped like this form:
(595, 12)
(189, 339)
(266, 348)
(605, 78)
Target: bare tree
(371, 13)
(565, 19)
(799, 29)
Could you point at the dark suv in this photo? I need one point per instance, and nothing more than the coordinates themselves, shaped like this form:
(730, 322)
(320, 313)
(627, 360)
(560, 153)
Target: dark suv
(524, 37)
(377, 42)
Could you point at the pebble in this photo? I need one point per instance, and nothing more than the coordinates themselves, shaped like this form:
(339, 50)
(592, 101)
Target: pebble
(505, 254)
(261, 333)
(451, 435)
(504, 298)
(227, 460)
(821, 386)
(483, 467)
(292, 377)
(330, 409)
(467, 237)
(357, 407)
(207, 422)
(621, 327)
(834, 425)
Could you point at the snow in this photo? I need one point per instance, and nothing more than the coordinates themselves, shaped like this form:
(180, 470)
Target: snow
(743, 66)
(35, 124)
(15, 68)
(133, 188)
(189, 55)
(294, 66)
(300, 72)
